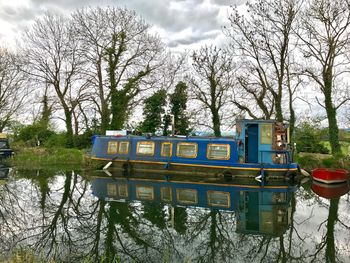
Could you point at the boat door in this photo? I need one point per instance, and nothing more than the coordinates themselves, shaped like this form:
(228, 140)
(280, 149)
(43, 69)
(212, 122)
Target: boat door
(251, 142)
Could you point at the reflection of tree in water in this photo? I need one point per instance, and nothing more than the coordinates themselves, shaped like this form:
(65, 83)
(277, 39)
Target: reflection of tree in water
(58, 217)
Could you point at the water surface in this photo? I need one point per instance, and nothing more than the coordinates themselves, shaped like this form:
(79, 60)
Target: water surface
(71, 216)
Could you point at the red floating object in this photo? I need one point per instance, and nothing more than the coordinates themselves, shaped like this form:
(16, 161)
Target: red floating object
(330, 176)
(330, 191)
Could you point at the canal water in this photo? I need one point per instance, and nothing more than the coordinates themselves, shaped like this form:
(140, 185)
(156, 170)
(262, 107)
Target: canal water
(77, 216)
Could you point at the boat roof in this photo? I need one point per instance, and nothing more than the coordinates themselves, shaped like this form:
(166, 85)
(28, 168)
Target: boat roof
(171, 138)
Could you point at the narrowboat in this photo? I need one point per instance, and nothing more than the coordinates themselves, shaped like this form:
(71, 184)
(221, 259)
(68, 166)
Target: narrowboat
(259, 210)
(5, 150)
(259, 149)
(330, 176)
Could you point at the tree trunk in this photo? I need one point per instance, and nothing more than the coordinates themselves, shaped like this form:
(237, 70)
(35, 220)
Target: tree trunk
(119, 109)
(333, 129)
(104, 117)
(331, 112)
(278, 107)
(216, 123)
(291, 119)
(69, 127)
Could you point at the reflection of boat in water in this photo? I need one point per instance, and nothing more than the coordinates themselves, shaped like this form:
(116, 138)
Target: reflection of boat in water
(330, 191)
(4, 171)
(260, 148)
(259, 210)
(330, 176)
(5, 150)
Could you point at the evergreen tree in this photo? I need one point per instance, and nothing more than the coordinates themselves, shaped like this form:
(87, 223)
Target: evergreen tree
(153, 108)
(178, 101)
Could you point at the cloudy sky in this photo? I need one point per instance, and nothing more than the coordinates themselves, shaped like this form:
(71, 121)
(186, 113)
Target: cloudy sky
(182, 24)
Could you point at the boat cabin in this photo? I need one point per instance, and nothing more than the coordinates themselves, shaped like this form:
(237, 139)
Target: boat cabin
(263, 141)
(5, 150)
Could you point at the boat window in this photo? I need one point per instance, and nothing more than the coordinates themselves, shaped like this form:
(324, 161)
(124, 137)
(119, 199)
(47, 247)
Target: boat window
(145, 148)
(266, 133)
(187, 196)
(218, 151)
(112, 147)
(123, 190)
(187, 150)
(218, 198)
(144, 192)
(123, 148)
(166, 194)
(166, 150)
(111, 190)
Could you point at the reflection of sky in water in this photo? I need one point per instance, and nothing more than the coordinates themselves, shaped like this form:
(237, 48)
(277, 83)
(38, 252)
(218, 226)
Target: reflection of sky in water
(57, 216)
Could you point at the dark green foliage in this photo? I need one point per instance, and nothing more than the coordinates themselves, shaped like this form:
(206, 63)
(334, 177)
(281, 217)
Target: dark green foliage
(56, 140)
(166, 125)
(178, 101)
(153, 108)
(329, 162)
(46, 113)
(34, 134)
(308, 162)
(83, 141)
(308, 139)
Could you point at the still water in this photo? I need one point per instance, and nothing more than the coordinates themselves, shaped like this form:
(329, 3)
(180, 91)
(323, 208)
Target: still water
(73, 216)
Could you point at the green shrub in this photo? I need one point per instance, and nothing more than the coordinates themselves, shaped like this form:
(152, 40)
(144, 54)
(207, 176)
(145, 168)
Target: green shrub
(329, 162)
(307, 161)
(56, 140)
(308, 139)
(34, 134)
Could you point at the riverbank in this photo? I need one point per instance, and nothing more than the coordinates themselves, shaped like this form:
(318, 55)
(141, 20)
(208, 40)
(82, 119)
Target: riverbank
(40, 157)
(310, 161)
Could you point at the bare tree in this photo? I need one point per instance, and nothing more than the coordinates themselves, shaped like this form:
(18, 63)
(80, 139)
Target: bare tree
(13, 88)
(211, 81)
(325, 37)
(261, 40)
(52, 58)
(124, 56)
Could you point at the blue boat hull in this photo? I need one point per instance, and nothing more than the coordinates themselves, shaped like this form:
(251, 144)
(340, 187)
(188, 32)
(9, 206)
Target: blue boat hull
(241, 170)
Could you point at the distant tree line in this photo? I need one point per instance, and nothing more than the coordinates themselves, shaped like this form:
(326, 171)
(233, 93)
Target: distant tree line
(99, 68)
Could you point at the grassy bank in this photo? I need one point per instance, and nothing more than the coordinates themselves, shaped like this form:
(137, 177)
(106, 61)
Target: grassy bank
(310, 161)
(39, 157)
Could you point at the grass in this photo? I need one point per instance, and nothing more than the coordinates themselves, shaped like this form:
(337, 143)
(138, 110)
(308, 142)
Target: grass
(309, 161)
(343, 146)
(39, 157)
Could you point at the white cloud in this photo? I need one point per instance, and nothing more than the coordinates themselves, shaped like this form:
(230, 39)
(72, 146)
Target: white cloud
(182, 24)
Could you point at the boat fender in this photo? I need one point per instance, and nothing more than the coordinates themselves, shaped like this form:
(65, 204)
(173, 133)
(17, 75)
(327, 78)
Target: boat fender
(261, 177)
(109, 163)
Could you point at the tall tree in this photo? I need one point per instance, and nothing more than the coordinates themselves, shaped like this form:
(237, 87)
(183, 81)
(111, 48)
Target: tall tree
(125, 57)
(325, 36)
(153, 110)
(51, 54)
(13, 89)
(261, 39)
(211, 81)
(178, 105)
